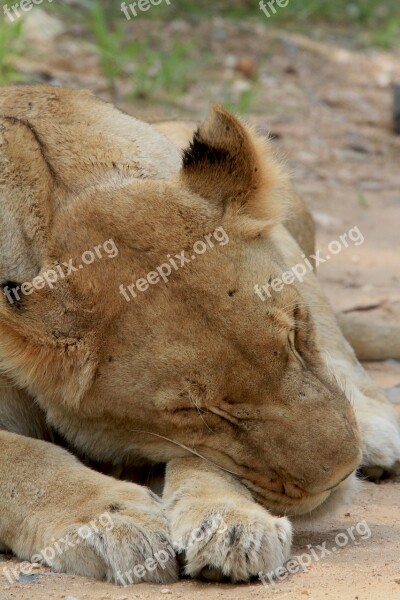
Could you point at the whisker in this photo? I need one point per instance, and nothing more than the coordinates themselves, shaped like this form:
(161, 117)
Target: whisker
(199, 411)
(346, 386)
(163, 437)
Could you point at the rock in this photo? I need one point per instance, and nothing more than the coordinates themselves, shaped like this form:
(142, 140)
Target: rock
(240, 86)
(40, 28)
(393, 394)
(27, 578)
(396, 109)
(230, 61)
(325, 220)
(246, 66)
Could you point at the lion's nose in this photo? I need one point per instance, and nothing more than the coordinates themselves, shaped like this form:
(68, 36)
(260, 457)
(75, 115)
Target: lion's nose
(318, 480)
(333, 478)
(297, 489)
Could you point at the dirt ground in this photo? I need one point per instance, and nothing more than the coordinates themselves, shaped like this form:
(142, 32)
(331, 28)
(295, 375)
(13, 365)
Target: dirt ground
(328, 106)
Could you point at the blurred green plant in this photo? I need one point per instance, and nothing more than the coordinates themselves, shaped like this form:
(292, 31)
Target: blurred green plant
(363, 12)
(109, 43)
(151, 70)
(167, 71)
(337, 11)
(362, 200)
(389, 36)
(379, 20)
(10, 45)
(242, 104)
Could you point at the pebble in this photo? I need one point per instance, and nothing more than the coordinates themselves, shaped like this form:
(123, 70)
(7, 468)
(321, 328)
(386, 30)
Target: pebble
(394, 394)
(247, 67)
(166, 591)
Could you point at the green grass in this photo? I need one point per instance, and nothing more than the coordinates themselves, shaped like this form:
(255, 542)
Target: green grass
(362, 200)
(165, 69)
(10, 45)
(387, 37)
(242, 104)
(334, 11)
(371, 13)
(380, 19)
(110, 44)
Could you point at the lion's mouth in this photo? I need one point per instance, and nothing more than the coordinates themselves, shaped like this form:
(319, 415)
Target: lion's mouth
(301, 503)
(283, 504)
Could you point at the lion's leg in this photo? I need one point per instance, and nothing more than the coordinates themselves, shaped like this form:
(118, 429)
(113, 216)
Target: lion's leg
(371, 339)
(78, 521)
(376, 416)
(217, 528)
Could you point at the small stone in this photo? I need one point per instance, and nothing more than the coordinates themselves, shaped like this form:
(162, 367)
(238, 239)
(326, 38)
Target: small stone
(394, 394)
(247, 67)
(396, 109)
(22, 578)
(166, 591)
(240, 86)
(41, 28)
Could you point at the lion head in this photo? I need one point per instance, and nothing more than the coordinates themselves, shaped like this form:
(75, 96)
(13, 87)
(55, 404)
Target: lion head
(135, 367)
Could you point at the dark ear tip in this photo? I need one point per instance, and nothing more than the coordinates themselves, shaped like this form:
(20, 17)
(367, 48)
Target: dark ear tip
(202, 152)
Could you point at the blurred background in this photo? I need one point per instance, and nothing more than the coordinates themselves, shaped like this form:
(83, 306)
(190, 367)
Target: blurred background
(318, 76)
(178, 54)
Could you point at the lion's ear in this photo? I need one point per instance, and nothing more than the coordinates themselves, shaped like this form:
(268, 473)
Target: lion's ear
(229, 165)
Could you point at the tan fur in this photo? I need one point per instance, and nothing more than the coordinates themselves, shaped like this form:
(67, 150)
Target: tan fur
(248, 403)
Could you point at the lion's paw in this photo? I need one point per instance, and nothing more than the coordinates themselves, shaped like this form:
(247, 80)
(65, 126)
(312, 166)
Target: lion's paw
(380, 439)
(235, 544)
(128, 543)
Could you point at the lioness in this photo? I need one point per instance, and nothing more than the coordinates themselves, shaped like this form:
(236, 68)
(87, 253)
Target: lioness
(259, 410)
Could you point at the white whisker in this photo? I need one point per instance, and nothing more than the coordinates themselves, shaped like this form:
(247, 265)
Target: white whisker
(163, 437)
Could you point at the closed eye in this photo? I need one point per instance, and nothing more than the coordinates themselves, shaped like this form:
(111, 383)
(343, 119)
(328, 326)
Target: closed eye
(292, 346)
(225, 415)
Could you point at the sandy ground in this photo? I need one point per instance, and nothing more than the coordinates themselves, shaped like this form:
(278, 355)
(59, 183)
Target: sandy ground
(329, 110)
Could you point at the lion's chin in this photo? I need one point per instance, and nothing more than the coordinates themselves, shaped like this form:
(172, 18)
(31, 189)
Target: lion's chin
(332, 502)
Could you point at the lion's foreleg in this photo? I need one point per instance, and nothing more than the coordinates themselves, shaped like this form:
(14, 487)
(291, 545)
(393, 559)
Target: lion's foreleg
(217, 528)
